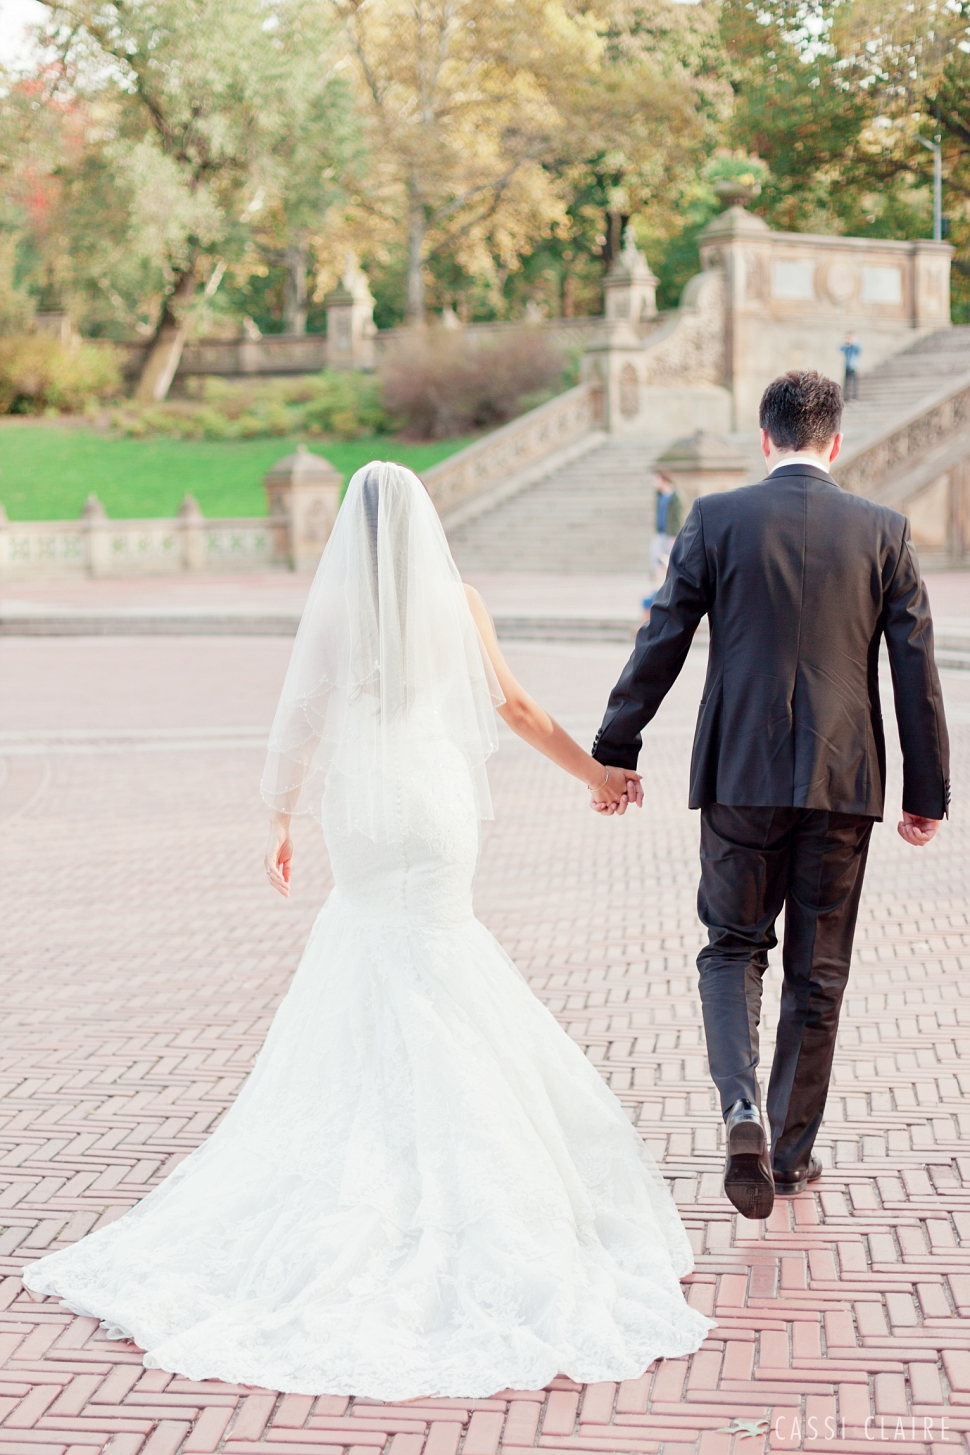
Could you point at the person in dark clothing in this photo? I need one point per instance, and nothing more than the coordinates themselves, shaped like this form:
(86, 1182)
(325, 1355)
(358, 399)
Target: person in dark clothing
(668, 519)
(850, 350)
(801, 582)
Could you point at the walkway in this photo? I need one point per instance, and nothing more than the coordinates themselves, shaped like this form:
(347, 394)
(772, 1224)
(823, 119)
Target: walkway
(143, 958)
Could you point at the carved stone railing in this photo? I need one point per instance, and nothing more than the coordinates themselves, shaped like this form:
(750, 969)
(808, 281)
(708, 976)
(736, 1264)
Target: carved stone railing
(912, 451)
(97, 546)
(290, 353)
(507, 452)
(272, 354)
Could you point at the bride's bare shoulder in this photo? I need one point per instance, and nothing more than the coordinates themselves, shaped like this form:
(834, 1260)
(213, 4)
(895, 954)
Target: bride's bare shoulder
(476, 602)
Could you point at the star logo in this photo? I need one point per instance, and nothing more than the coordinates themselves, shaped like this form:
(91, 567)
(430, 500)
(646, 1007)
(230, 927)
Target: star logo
(745, 1428)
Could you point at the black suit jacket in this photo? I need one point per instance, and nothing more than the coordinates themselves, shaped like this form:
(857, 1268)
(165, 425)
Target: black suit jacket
(800, 581)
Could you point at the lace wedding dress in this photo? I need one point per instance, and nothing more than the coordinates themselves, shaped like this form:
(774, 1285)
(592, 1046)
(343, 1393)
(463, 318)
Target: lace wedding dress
(423, 1187)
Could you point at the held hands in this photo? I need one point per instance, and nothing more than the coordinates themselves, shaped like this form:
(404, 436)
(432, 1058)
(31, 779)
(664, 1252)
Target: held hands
(620, 788)
(278, 861)
(917, 830)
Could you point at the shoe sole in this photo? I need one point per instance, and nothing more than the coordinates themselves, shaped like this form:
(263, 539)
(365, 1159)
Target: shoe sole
(745, 1183)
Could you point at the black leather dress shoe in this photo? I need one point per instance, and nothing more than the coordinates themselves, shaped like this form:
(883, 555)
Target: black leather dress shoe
(788, 1184)
(748, 1182)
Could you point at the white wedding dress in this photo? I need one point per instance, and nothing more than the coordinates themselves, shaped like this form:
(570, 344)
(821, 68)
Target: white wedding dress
(423, 1187)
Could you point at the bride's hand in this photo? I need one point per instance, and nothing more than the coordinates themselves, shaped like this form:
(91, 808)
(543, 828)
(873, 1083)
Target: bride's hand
(279, 858)
(620, 788)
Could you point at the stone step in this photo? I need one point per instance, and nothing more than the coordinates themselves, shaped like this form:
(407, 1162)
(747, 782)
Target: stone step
(897, 386)
(594, 516)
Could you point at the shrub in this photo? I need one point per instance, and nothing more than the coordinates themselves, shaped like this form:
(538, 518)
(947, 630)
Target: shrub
(346, 404)
(440, 384)
(38, 373)
(338, 402)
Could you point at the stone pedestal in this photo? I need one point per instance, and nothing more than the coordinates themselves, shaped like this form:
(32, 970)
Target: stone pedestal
(192, 522)
(630, 288)
(350, 321)
(55, 323)
(702, 464)
(97, 536)
(634, 400)
(613, 364)
(303, 495)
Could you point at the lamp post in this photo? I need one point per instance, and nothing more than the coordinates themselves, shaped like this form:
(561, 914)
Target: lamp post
(937, 150)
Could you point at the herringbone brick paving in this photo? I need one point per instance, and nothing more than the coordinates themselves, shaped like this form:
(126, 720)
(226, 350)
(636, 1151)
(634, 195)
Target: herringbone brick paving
(143, 958)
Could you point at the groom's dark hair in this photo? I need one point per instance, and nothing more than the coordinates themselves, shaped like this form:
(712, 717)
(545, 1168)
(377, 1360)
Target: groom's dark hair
(801, 410)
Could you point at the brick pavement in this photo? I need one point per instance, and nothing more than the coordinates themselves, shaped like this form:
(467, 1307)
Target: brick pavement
(143, 959)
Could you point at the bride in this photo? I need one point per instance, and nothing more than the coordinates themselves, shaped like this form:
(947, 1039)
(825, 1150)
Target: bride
(423, 1187)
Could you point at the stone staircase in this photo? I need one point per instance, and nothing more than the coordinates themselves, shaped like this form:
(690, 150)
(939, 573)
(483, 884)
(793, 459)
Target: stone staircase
(898, 385)
(593, 516)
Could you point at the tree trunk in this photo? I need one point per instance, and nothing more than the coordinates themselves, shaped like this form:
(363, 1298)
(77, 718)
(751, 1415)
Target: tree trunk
(615, 225)
(165, 354)
(415, 274)
(294, 293)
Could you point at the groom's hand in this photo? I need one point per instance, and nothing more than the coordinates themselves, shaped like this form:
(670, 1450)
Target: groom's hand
(917, 830)
(621, 788)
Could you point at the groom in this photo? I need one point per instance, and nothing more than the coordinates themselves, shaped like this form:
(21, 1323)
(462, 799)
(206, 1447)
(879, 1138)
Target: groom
(800, 581)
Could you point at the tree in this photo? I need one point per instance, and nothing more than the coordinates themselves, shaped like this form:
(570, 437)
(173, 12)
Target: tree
(210, 95)
(833, 95)
(796, 107)
(39, 135)
(465, 99)
(913, 61)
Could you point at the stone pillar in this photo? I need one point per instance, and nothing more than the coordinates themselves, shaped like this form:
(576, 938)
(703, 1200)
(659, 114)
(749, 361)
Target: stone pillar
(959, 513)
(931, 284)
(613, 362)
(630, 288)
(192, 523)
(303, 493)
(702, 464)
(55, 323)
(350, 321)
(97, 534)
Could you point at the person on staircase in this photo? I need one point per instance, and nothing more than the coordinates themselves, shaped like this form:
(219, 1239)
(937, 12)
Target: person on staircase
(668, 520)
(850, 350)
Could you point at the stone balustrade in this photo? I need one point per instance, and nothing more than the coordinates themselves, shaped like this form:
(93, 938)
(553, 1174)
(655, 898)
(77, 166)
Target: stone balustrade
(912, 444)
(514, 447)
(98, 546)
(277, 354)
(921, 466)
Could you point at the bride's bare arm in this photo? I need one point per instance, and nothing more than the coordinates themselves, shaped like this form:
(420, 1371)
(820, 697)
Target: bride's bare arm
(611, 788)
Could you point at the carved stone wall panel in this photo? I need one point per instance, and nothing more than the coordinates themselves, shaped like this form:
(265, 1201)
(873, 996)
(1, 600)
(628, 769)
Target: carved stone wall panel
(694, 352)
(629, 392)
(840, 282)
(755, 278)
(522, 443)
(874, 467)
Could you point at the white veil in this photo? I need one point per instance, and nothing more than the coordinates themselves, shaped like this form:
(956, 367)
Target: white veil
(387, 664)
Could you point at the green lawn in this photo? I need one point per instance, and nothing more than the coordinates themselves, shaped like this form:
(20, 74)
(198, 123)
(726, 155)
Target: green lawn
(47, 470)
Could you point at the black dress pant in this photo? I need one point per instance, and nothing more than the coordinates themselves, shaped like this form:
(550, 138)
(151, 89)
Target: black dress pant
(754, 861)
